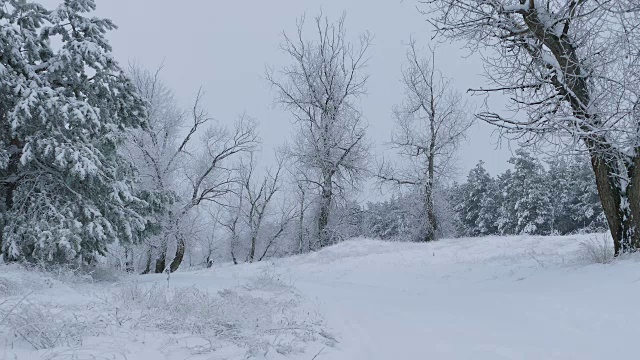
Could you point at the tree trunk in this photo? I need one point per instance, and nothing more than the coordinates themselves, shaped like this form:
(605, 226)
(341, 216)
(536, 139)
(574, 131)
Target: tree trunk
(324, 212)
(3, 223)
(301, 223)
(147, 268)
(10, 185)
(177, 260)
(128, 263)
(631, 243)
(252, 251)
(621, 205)
(233, 257)
(180, 243)
(430, 233)
(430, 228)
(161, 260)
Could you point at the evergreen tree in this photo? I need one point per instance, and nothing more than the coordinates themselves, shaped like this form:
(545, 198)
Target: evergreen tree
(529, 200)
(385, 220)
(574, 196)
(479, 208)
(528, 196)
(585, 207)
(455, 197)
(507, 196)
(561, 195)
(63, 110)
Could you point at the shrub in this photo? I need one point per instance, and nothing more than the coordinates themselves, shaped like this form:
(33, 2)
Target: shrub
(597, 250)
(45, 326)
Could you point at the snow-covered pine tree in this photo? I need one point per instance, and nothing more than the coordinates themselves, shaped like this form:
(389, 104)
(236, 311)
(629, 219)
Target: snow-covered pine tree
(63, 108)
(403, 218)
(455, 196)
(561, 195)
(567, 200)
(574, 196)
(529, 189)
(490, 209)
(585, 208)
(384, 220)
(478, 207)
(508, 195)
(348, 220)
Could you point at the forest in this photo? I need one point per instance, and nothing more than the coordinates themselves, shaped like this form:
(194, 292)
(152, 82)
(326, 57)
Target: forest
(105, 169)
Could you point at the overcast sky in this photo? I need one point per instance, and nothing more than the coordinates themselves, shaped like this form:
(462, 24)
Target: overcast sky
(224, 47)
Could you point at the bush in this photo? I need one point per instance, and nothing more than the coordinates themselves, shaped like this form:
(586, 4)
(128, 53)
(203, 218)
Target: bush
(265, 315)
(248, 320)
(597, 250)
(269, 281)
(45, 326)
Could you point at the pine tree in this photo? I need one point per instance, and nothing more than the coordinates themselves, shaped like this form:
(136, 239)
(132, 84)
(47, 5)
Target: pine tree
(562, 200)
(508, 195)
(585, 209)
(384, 220)
(574, 196)
(529, 189)
(63, 110)
(561, 195)
(478, 208)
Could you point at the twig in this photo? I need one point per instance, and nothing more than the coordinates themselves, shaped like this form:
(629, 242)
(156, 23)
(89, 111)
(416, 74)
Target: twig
(538, 261)
(313, 358)
(14, 307)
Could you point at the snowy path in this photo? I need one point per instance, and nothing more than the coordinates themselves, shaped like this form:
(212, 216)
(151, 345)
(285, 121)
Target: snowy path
(445, 323)
(460, 300)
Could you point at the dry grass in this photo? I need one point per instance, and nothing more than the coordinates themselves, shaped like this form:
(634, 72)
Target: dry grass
(597, 250)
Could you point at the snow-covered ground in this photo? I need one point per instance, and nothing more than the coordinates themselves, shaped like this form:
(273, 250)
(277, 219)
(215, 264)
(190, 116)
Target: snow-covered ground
(484, 298)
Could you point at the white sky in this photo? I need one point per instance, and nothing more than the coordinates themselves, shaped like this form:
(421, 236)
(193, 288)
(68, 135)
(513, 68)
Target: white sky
(224, 47)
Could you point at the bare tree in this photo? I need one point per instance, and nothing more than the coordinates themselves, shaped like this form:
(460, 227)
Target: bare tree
(211, 177)
(232, 221)
(259, 198)
(156, 153)
(429, 126)
(321, 88)
(167, 158)
(254, 222)
(571, 66)
(304, 202)
(287, 214)
(210, 241)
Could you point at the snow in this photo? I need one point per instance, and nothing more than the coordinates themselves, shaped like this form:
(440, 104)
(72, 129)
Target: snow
(520, 297)
(515, 8)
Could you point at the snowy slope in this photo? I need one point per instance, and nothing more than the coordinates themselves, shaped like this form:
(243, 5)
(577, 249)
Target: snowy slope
(486, 298)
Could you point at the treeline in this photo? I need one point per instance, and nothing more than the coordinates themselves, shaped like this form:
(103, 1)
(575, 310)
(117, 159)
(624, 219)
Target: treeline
(399, 218)
(558, 196)
(561, 198)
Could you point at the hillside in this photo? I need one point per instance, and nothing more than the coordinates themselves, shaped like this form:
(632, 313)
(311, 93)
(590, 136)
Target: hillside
(483, 298)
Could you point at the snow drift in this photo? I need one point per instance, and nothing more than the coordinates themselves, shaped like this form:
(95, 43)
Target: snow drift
(481, 298)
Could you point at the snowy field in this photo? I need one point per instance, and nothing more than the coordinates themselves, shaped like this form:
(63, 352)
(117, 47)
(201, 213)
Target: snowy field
(485, 298)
